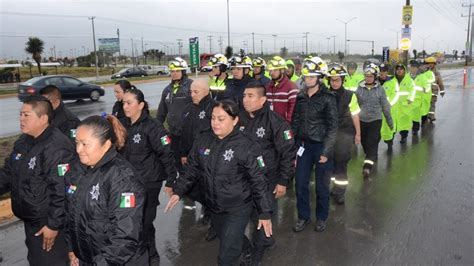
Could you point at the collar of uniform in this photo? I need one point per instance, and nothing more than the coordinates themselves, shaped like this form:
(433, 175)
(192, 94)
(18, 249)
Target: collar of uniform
(363, 85)
(322, 89)
(234, 132)
(43, 136)
(142, 117)
(60, 108)
(108, 156)
(263, 110)
(205, 100)
(279, 83)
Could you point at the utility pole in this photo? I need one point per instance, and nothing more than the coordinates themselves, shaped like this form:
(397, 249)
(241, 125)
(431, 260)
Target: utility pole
(220, 44)
(468, 43)
(209, 37)
(329, 49)
(345, 32)
(118, 38)
(228, 25)
(261, 47)
(253, 42)
(180, 44)
(95, 50)
(133, 52)
(334, 45)
(143, 50)
(274, 43)
(405, 53)
(306, 37)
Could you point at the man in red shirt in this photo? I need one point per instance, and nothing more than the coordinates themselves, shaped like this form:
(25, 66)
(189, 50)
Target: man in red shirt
(281, 92)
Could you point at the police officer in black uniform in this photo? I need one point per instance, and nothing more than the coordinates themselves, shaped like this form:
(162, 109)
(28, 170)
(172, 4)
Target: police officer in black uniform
(105, 199)
(148, 149)
(120, 87)
(197, 119)
(63, 118)
(274, 135)
(233, 170)
(33, 174)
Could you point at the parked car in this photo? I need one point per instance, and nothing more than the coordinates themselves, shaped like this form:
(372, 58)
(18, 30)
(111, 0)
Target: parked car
(206, 69)
(130, 72)
(155, 70)
(70, 87)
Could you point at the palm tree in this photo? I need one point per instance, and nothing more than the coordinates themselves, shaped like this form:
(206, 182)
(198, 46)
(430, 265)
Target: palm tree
(35, 46)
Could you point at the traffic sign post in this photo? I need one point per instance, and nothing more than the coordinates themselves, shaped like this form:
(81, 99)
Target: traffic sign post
(405, 44)
(194, 52)
(407, 17)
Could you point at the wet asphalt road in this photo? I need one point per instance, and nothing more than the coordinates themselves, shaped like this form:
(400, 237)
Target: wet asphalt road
(417, 209)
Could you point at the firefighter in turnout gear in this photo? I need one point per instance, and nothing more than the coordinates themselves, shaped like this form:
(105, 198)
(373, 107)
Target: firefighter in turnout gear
(348, 130)
(218, 78)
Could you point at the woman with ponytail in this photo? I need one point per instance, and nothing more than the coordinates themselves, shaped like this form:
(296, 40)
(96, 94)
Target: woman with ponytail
(104, 198)
(148, 149)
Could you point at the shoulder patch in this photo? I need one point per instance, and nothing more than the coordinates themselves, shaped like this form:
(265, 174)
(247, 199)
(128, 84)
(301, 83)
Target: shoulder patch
(127, 200)
(165, 140)
(63, 169)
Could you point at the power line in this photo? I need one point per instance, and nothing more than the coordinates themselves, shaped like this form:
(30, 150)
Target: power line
(436, 8)
(237, 34)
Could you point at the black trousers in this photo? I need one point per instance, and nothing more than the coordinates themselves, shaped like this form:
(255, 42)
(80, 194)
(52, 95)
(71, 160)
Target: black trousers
(230, 228)
(370, 138)
(37, 256)
(342, 155)
(175, 140)
(259, 239)
(149, 215)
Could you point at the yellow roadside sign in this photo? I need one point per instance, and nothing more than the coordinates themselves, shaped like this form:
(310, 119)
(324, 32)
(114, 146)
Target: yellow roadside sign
(407, 15)
(405, 44)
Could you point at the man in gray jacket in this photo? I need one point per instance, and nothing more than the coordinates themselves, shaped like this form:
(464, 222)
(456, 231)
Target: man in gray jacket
(373, 102)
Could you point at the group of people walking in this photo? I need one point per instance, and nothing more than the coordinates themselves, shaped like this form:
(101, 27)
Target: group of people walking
(234, 143)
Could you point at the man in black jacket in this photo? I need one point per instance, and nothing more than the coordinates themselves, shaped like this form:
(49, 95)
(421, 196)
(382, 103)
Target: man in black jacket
(274, 135)
(63, 119)
(197, 119)
(173, 100)
(33, 173)
(314, 123)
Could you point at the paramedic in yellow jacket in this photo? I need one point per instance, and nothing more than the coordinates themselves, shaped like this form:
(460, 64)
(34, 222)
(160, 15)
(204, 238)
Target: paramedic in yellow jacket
(421, 86)
(353, 78)
(290, 71)
(403, 87)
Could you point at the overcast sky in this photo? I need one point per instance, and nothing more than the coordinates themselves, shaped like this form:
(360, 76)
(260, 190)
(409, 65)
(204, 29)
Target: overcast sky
(65, 24)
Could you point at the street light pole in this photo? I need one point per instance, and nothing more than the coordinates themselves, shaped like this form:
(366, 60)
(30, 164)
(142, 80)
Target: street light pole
(345, 32)
(306, 36)
(95, 50)
(228, 25)
(274, 43)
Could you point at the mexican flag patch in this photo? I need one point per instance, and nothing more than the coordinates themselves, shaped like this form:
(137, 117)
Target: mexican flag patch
(165, 140)
(288, 134)
(260, 161)
(127, 200)
(63, 169)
